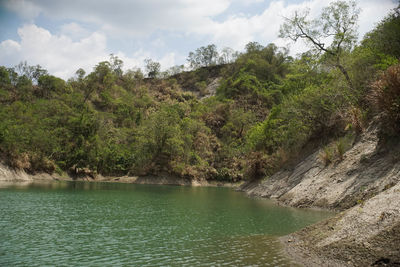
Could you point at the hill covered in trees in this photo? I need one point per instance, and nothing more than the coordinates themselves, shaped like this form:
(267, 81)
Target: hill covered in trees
(268, 110)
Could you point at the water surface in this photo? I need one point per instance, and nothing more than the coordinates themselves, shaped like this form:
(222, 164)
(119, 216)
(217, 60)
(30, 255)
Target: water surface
(98, 224)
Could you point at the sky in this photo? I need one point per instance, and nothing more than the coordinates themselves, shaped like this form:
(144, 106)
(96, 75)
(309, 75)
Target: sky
(65, 35)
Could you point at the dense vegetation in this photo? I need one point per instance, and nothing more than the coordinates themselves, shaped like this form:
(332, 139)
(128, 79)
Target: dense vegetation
(268, 109)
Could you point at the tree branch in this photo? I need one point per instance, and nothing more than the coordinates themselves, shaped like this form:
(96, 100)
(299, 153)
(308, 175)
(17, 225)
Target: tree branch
(317, 44)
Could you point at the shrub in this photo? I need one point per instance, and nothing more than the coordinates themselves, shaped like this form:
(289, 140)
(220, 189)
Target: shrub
(299, 118)
(259, 165)
(340, 148)
(31, 162)
(326, 155)
(202, 88)
(385, 98)
(356, 119)
(226, 174)
(335, 151)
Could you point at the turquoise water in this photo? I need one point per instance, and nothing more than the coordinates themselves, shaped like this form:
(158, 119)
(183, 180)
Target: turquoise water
(107, 224)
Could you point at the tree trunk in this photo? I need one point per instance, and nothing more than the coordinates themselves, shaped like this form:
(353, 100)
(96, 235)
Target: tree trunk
(346, 75)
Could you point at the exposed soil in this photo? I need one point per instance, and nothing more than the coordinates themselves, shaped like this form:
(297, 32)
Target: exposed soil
(365, 235)
(365, 170)
(8, 175)
(364, 185)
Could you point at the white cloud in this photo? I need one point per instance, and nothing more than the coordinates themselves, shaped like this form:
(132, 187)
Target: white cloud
(236, 31)
(249, 2)
(9, 47)
(121, 17)
(59, 54)
(74, 30)
(372, 12)
(74, 46)
(158, 43)
(62, 56)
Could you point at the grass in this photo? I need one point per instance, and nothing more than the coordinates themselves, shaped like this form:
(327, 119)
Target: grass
(336, 150)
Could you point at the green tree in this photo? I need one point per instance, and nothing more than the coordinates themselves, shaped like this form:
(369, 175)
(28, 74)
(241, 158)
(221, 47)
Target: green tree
(4, 77)
(116, 65)
(49, 84)
(80, 74)
(204, 56)
(33, 73)
(338, 22)
(252, 47)
(159, 138)
(385, 38)
(152, 68)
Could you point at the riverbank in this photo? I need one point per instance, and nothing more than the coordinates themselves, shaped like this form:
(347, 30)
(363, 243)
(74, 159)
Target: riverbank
(365, 235)
(365, 170)
(364, 186)
(8, 174)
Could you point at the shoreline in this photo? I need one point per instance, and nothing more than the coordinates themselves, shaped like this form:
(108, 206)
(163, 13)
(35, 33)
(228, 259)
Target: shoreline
(337, 241)
(9, 175)
(294, 249)
(21, 177)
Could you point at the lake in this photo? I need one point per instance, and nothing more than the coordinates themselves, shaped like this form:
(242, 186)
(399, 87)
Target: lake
(111, 224)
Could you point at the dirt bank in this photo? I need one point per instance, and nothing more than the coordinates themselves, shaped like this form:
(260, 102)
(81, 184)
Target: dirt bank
(366, 170)
(161, 180)
(10, 175)
(364, 186)
(365, 235)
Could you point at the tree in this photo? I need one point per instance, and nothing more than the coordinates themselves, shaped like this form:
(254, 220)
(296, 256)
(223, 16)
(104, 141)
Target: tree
(33, 73)
(80, 74)
(204, 56)
(337, 24)
(49, 84)
(228, 55)
(4, 76)
(159, 138)
(152, 68)
(385, 38)
(175, 70)
(253, 47)
(116, 65)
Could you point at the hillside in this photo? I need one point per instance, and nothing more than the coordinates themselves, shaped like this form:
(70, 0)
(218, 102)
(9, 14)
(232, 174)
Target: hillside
(242, 119)
(317, 130)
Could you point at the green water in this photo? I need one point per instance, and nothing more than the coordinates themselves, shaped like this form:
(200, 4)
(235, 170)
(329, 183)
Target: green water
(104, 224)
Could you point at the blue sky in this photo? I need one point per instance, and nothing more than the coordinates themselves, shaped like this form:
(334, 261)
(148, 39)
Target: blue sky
(63, 36)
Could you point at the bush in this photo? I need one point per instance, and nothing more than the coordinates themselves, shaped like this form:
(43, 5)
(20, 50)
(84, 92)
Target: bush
(326, 155)
(385, 98)
(299, 118)
(31, 163)
(259, 165)
(334, 152)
